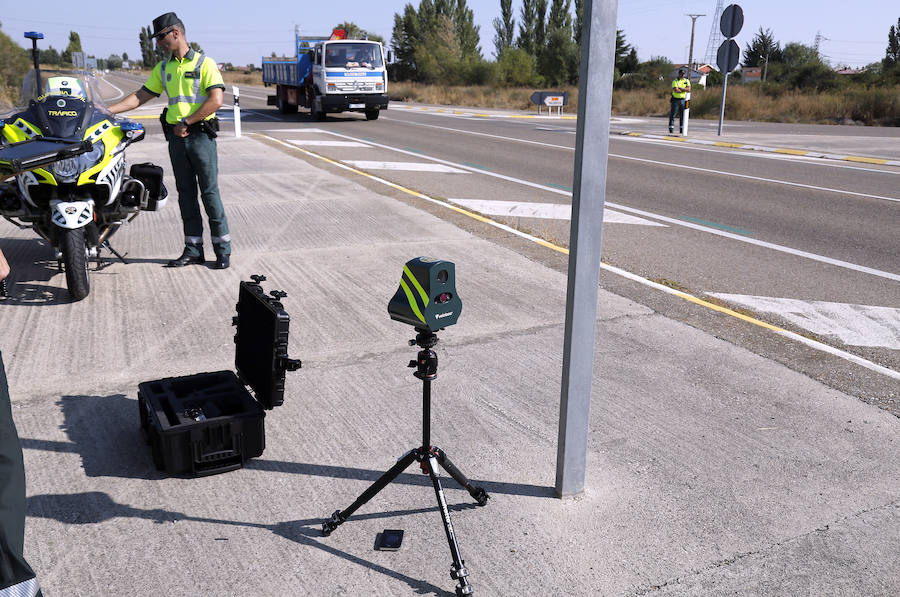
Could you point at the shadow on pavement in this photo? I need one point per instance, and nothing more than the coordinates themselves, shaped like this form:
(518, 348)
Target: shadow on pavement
(95, 507)
(121, 452)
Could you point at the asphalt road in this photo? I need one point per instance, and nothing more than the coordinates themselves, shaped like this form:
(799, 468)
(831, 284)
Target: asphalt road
(809, 245)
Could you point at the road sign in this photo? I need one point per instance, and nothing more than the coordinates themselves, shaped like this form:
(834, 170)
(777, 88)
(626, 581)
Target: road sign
(728, 56)
(550, 98)
(732, 20)
(553, 100)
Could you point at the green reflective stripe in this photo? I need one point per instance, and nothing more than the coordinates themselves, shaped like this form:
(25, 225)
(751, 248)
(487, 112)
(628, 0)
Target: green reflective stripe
(418, 286)
(411, 299)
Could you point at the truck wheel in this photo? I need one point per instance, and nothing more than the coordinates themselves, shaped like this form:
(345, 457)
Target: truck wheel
(318, 115)
(286, 108)
(372, 114)
(75, 258)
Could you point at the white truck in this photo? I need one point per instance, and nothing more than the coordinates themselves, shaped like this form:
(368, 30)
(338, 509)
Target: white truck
(333, 74)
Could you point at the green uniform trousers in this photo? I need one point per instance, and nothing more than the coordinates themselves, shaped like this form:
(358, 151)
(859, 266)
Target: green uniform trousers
(195, 161)
(15, 574)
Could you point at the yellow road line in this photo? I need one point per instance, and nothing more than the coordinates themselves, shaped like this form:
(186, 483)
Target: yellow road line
(792, 151)
(534, 239)
(727, 144)
(852, 158)
(610, 268)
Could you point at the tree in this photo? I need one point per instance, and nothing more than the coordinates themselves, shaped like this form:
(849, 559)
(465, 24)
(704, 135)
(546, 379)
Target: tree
(579, 13)
(354, 31)
(558, 58)
(419, 34)
(504, 28)
(196, 47)
(762, 47)
(517, 67)
(13, 66)
(892, 53)
(629, 63)
(466, 30)
(124, 56)
(540, 25)
(527, 24)
(113, 62)
(74, 46)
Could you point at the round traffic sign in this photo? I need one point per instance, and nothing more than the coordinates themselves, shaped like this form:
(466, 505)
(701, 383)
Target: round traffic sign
(732, 20)
(728, 55)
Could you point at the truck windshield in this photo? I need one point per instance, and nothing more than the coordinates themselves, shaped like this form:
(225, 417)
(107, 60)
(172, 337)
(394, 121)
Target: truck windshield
(353, 55)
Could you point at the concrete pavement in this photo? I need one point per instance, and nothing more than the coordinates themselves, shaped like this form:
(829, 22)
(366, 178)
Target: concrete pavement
(711, 470)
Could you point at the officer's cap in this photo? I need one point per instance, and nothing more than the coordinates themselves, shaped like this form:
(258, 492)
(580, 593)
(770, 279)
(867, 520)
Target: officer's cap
(163, 22)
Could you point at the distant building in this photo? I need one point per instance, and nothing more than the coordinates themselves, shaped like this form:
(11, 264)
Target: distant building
(751, 74)
(849, 71)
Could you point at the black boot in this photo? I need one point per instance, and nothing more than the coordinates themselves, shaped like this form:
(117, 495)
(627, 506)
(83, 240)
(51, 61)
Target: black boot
(187, 259)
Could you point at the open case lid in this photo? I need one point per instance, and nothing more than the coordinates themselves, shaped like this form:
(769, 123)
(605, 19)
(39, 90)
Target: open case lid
(18, 158)
(261, 341)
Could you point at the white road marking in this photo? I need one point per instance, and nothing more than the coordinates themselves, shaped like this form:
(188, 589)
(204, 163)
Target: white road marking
(551, 211)
(328, 143)
(747, 176)
(723, 233)
(857, 325)
(407, 166)
(812, 161)
(621, 272)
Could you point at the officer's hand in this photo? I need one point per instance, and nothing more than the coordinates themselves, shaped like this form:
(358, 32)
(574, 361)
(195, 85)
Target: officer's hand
(180, 130)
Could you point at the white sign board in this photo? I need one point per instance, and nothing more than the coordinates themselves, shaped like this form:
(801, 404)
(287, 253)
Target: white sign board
(553, 100)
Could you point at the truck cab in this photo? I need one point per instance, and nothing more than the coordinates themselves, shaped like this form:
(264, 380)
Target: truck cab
(330, 75)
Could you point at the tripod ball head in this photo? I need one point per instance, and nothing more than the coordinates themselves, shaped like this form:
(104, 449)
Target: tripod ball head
(426, 298)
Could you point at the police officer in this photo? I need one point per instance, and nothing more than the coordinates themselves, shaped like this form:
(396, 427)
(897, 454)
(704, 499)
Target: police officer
(680, 88)
(195, 90)
(16, 577)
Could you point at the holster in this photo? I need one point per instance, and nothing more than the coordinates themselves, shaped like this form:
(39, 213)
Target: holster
(166, 127)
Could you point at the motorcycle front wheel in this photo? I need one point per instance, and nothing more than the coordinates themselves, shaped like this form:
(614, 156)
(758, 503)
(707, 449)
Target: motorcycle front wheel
(75, 260)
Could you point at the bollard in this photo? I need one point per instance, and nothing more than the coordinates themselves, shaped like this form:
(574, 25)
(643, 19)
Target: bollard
(687, 114)
(237, 111)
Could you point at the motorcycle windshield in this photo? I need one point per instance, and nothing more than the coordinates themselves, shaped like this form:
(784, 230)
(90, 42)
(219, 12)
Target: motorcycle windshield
(60, 103)
(77, 84)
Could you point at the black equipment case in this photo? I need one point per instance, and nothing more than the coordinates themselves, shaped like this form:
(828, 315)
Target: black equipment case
(209, 423)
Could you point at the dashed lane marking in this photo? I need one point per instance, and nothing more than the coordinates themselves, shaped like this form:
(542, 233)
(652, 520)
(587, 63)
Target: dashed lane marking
(550, 211)
(618, 271)
(406, 166)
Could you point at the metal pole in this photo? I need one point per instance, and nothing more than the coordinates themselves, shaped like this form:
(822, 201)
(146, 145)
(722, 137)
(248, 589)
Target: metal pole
(589, 184)
(722, 107)
(691, 55)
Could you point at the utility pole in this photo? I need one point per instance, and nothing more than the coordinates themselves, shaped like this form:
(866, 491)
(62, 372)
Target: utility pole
(691, 55)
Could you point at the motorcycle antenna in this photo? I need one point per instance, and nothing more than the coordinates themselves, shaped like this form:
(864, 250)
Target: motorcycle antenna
(34, 36)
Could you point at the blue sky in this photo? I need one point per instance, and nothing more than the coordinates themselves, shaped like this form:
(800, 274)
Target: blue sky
(243, 32)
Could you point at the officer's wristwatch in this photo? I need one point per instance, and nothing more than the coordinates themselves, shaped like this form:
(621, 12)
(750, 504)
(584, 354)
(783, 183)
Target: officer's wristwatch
(185, 122)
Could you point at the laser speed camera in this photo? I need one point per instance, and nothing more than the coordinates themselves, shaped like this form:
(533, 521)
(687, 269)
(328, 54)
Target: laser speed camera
(426, 298)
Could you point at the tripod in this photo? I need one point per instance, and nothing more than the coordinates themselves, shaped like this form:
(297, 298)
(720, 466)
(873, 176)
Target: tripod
(429, 457)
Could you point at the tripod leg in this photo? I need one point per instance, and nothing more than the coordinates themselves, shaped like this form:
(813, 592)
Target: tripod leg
(340, 516)
(458, 568)
(477, 493)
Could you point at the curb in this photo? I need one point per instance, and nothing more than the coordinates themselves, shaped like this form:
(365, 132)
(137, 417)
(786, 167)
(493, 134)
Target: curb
(750, 147)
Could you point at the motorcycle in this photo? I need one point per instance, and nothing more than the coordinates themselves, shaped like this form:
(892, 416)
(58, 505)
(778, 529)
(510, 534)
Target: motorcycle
(67, 154)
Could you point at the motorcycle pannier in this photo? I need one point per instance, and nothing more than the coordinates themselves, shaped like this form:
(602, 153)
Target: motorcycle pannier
(210, 423)
(152, 177)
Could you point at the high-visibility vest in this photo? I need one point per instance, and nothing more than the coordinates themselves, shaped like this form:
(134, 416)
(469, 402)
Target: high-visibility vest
(187, 83)
(680, 83)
